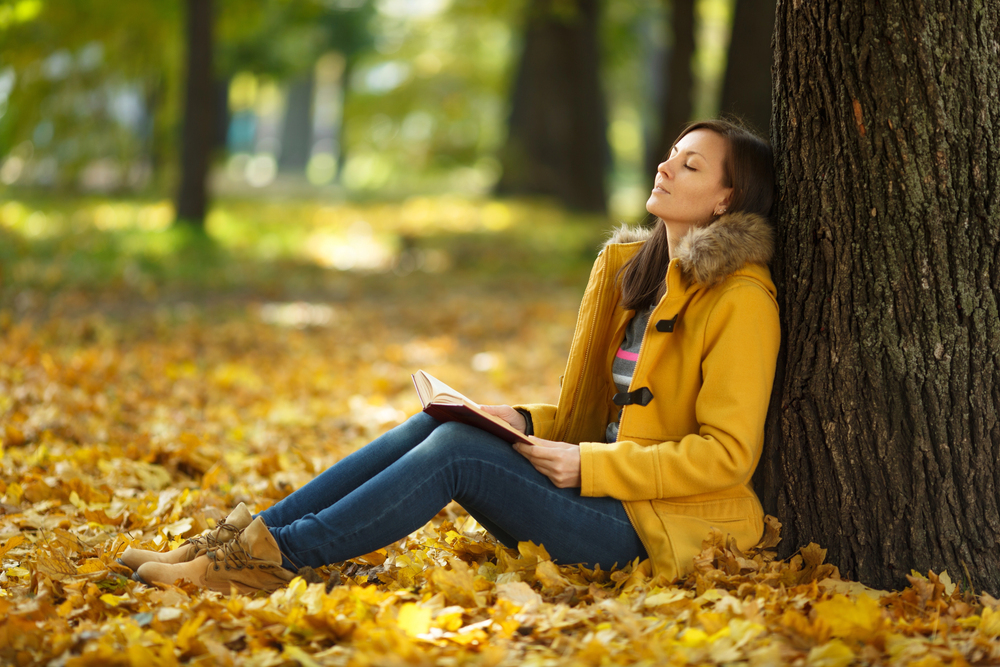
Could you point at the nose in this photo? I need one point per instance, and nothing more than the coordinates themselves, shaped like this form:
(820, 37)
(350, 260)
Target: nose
(665, 168)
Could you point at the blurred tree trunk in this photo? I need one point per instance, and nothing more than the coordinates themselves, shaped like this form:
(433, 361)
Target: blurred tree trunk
(746, 89)
(221, 115)
(557, 133)
(885, 425)
(199, 116)
(674, 105)
(296, 131)
(340, 129)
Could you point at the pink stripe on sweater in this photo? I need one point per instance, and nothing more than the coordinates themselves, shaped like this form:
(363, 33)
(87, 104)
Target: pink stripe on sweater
(627, 356)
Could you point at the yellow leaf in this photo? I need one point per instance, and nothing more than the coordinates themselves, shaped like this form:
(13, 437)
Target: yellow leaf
(712, 621)
(834, 653)
(449, 618)
(179, 528)
(848, 618)
(927, 661)
(989, 623)
(189, 631)
(54, 565)
(529, 549)
(694, 637)
(851, 588)
(10, 544)
(666, 597)
(168, 613)
(520, 594)
(375, 558)
(413, 619)
(299, 656)
(114, 600)
(772, 533)
(458, 583)
(549, 576)
(14, 494)
(949, 585)
(140, 656)
(92, 565)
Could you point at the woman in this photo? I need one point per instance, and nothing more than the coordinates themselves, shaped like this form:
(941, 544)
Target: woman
(658, 428)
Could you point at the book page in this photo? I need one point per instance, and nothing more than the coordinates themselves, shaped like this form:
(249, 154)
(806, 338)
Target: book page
(444, 403)
(432, 390)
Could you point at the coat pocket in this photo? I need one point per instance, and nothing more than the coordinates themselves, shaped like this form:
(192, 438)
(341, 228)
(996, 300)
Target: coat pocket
(691, 523)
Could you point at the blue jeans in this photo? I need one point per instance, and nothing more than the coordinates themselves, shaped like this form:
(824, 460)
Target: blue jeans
(401, 480)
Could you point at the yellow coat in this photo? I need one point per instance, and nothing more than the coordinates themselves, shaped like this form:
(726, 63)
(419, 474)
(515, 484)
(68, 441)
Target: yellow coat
(683, 462)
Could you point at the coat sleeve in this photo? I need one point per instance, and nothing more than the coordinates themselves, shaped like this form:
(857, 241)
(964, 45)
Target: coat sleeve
(543, 417)
(738, 360)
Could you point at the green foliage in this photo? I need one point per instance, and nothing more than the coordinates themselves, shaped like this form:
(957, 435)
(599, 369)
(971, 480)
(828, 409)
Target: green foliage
(426, 99)
(429, 102)
(69, 63)
(81, 68)
(284, 39)
(134, 246)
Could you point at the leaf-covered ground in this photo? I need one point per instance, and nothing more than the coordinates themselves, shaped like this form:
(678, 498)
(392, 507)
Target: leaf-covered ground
(146, 391)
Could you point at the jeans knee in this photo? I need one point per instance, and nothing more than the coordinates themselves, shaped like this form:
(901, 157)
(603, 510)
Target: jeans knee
(420, 420)
(448, 443)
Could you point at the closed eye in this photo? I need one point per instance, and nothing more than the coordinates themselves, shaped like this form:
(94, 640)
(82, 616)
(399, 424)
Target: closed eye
(687, 166)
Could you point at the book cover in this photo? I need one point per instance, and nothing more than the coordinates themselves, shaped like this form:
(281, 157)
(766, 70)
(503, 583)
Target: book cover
(447, 405)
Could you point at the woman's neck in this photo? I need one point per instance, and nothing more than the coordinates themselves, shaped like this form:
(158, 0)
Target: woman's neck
(675, 232)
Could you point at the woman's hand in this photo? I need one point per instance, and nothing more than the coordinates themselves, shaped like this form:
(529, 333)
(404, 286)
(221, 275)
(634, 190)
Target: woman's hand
(559, 461)
(508, 414)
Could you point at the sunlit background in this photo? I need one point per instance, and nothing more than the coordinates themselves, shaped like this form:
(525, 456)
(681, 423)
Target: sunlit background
(344, 128)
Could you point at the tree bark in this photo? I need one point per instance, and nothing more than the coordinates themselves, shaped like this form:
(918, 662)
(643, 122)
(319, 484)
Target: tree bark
(884, 432)
(196, 135)
(557, 132)
(675, 100)
(746, 88)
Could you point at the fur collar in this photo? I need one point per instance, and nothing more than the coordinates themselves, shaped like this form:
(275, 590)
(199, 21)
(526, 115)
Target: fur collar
(711, 253)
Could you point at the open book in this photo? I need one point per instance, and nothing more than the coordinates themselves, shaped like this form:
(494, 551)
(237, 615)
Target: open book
(447, 405)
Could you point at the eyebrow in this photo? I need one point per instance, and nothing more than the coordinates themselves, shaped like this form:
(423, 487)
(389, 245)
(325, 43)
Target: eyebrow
(690, 152)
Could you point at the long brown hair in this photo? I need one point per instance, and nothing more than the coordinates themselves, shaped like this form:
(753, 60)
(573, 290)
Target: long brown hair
(748, 169)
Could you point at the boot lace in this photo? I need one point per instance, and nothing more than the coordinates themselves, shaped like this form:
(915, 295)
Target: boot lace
(210, 540)
(234, 556)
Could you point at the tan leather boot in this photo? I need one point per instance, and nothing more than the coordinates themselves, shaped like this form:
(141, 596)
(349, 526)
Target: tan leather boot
(251, 563)
(237, 520)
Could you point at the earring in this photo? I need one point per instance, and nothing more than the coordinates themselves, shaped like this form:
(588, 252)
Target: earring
(720, 210)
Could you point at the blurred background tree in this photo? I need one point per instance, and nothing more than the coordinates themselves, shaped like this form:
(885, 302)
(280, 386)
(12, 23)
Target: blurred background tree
(575, 100)
(557, 130)
(674, 101)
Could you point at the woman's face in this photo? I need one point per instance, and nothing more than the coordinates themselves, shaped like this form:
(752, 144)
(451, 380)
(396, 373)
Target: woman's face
(689, 186)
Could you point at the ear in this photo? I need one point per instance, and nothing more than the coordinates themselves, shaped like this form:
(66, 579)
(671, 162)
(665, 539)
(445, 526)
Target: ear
(723, 203)
(729, 196)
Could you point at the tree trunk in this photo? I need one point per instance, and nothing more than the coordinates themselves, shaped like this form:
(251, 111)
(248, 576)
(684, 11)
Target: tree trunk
(746, 89)
(196, 136)
(884, 429)
(296, 129)
(675, 101)
(557, 137)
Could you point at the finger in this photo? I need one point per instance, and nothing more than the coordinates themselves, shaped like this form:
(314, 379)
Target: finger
(542, 465)
(547, 454)
(548, 444)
